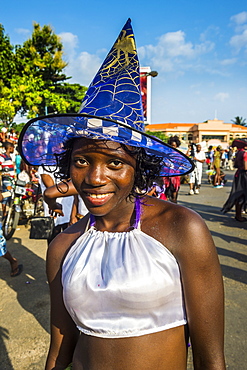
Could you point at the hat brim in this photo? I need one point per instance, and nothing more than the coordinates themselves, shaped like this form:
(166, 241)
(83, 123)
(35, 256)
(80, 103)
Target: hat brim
(239, 143)
(43, 137)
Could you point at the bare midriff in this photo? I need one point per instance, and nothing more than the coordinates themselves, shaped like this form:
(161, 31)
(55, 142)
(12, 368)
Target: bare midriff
(166, 350)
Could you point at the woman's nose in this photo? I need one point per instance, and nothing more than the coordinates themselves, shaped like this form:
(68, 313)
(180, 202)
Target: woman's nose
(96, 175)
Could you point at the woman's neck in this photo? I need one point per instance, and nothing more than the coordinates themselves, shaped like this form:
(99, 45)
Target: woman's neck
(119, 221)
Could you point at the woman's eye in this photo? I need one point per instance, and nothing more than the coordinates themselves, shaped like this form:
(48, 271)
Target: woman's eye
(80, 161)
(116, 163)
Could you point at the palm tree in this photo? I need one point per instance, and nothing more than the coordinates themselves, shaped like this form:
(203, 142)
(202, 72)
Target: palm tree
(239, 121)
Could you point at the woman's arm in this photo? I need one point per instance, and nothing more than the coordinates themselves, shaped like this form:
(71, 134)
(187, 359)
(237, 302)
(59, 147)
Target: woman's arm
(203, 293)
(63, 189)
(47, 180)
(64, 334)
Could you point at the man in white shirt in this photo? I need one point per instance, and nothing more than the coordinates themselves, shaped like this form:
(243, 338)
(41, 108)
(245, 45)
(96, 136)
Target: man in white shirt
(196, 175)
(47, 179)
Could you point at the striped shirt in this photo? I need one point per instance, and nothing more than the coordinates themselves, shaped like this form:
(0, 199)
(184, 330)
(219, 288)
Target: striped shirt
(8, 169)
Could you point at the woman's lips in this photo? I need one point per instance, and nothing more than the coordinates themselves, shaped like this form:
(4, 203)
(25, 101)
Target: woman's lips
(98, 199)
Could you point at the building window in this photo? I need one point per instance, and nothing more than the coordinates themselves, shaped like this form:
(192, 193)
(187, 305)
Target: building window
(209, 137)
(190, 137)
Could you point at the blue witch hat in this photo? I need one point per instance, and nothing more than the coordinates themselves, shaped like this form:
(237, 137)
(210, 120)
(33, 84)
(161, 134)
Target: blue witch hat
(111, 110)
(115, 90)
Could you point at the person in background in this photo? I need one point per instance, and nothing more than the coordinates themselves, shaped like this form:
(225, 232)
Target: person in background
(211, 155)
(3, 134)
(231, 158)
(12, 137)
(79, 210)
(15, 268)
(224, 158)
(64, 204)
(196, 175)
(157, 189)
(172, 184)
(8, 172)
(216, 164)
(17, 162)
(238, 194)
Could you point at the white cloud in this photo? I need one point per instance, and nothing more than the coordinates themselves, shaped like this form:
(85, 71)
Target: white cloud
(70, 42)
(221, 97)
(174, 44)
(210, 33)
(22, 31)
(88, 65)
(239, 18)
(227, 62)
(81, 67)
(172, 51)
(239, 41)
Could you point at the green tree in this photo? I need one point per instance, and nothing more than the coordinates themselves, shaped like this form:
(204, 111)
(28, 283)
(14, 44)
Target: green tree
(239, 121)
(73, 94)
(41, 55)
(41, 58)
(159, 134)
(32, 78)
(7, 68)
(7, 58)
(29, 95)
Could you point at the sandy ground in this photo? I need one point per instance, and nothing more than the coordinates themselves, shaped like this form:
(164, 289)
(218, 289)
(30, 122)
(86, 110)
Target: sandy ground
(24, 303)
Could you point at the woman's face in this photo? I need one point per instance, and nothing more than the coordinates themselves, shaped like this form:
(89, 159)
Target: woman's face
(103, 174)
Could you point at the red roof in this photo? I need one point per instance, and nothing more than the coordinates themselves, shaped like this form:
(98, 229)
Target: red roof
(161, 126)
(239, 126)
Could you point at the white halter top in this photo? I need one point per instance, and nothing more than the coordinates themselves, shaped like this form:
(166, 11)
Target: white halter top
(122, 284)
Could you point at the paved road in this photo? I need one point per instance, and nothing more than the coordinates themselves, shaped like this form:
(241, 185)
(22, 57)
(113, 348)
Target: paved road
(24, 303)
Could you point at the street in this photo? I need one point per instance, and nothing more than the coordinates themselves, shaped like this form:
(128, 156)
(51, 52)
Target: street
(24, 307)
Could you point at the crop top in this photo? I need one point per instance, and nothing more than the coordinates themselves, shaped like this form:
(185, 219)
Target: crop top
(122, 284)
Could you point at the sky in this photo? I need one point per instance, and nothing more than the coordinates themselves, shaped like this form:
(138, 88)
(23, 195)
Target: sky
(198, 48)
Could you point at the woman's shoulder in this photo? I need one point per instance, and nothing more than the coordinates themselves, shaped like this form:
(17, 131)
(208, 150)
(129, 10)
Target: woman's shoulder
(171, 224)
(162, 210)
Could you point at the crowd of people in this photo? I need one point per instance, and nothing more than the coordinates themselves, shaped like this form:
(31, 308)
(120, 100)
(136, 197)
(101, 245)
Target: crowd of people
(69, 208)
(12, 168)
(213, 161)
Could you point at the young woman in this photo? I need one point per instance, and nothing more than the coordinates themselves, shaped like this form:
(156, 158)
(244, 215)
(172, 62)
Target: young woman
(137, 276)
(172, 184)
(132, 283)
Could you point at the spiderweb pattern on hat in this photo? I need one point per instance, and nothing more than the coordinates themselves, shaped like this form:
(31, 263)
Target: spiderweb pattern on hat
(115, 91)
